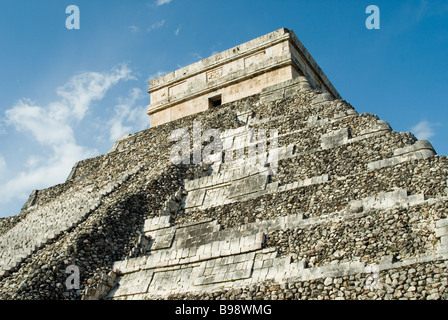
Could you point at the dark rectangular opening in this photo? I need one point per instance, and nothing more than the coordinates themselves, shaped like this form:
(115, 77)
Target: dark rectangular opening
(215, 101)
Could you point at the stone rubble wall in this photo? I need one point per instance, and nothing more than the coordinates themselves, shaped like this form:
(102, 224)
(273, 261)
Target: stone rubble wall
(420, 281)
(209, 261)
(354, 210)
(45, 223)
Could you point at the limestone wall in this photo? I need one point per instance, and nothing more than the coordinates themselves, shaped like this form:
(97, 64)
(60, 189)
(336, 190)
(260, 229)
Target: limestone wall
(234, 74)
(228, 93)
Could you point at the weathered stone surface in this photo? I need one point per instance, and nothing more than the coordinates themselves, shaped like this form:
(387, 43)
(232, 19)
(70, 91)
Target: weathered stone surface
(336, 206)
(274, 60)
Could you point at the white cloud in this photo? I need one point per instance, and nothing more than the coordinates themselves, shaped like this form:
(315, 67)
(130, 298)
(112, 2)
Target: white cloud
(156, 75)
(51, 126)
(196, 56)
(134, 28)
(424, 130)
(34, 161)
(83, 88)
(162, 2)
(177, 31)
(127, 117)
(156, 25)
(2, 165)
(55, 169)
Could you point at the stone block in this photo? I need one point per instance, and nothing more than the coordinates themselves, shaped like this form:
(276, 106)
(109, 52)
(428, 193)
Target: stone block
(215, 247)
(387, 260)
(272, 272)
(239, 258)
(256, 275)
(443, 250)
(248, 185)
(163, 240)
(322, 98)
(272, 96)
(263, 274)
(422, 149)
(205, 256)
(236, 250)
(442, 231)
(415, 199)
(335, 138)
(442, 223)
(418, 145)
(211, 263)
(444, 241)
(200, 250)
(258, 264)
(224, 245)
(157, 223)
(117, 265)
(268, 263)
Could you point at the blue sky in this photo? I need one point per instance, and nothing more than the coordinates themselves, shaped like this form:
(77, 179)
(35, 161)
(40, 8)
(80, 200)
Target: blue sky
(67, 95)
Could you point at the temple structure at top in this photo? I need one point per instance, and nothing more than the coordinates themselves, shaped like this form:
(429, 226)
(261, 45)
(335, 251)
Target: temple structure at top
(234, 74)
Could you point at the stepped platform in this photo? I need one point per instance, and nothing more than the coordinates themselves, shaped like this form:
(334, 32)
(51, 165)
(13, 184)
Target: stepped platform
(308, 199)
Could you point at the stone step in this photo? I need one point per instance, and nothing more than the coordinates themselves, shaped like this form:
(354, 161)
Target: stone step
(240, 269)
(320, 198)
(356, 158)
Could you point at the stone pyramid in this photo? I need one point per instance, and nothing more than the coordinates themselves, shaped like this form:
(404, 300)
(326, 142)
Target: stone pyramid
(334, 205)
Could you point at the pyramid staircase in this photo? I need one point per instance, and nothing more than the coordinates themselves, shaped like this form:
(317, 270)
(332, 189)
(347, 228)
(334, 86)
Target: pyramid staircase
(336, 205)
(343, 203)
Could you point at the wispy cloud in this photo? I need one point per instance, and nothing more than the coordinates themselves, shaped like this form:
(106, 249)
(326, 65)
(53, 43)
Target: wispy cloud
(156, 25)
(134, 28)
(86, 87)
(157, 74)
(196, 55)
(2, 165)
(424, 130)
(52, 127)
(177, 31)
(128, 117)
(2, 128)
(421, 10)
(411, 13)
(162, 2)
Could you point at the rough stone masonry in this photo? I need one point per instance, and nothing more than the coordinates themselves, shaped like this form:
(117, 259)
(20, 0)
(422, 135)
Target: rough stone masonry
(354, 210)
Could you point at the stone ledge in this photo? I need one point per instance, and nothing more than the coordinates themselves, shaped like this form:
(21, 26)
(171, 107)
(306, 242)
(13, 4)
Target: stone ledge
(166, 258)
(322, 98)
(419, 151)
(219, 59)
(157, 223)
(232, 268)
(280, 270)
(442, 230)
(284, 89)
(31, 200)
(386, 200)
(33, 232)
